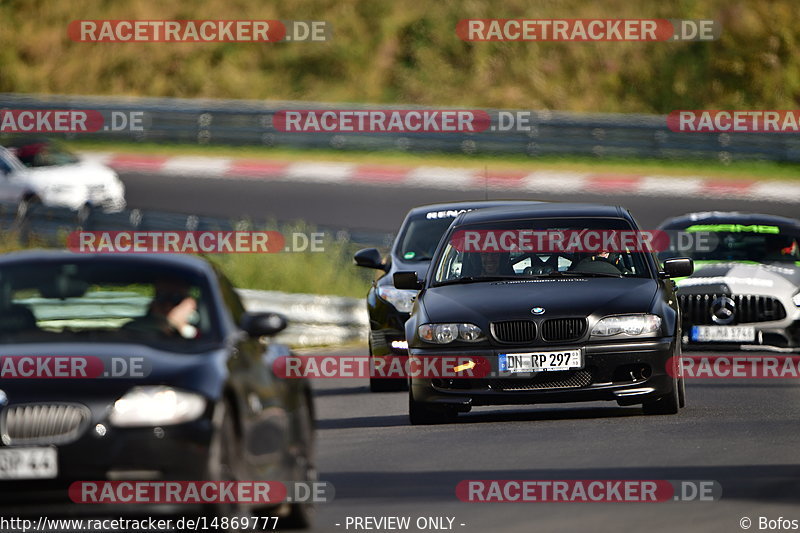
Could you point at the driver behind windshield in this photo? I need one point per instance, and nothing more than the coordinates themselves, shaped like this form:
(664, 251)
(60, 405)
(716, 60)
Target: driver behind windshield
(170, 312)
(780, 248)
(488, 264)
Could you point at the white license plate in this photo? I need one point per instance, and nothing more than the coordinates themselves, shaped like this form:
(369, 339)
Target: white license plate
(28, 463)
(723, 333)
(540, 361)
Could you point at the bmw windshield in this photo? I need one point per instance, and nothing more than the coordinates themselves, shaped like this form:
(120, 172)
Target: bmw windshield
(533, 248)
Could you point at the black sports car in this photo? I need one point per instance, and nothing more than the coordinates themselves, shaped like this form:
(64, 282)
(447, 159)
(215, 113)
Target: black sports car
(745, 291)
(554, 326)
(389, 307)
(173, 383)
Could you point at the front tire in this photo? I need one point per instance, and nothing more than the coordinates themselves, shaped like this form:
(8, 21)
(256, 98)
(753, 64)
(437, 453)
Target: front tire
(29, 203)
(669, 404)
(423, 414)
(301, 514)
(384, 384)
(223, 462)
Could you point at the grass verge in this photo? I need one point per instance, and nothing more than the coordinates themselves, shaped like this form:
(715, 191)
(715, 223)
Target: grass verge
(326, 272)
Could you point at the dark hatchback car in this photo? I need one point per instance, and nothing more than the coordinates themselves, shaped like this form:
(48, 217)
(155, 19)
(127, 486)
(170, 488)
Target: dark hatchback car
(745, 290)
(389, 307)
(552, 326)
(186, 391)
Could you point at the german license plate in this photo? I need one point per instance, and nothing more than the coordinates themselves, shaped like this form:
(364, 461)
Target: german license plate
(723, 333)
(540, 361)
(28, 463)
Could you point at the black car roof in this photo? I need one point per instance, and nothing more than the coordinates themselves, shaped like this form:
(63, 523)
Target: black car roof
(542, 210)
(729, 217)
(56, 256)
(467, 204)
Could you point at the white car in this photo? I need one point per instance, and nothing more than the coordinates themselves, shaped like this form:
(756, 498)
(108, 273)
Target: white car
(60, 179)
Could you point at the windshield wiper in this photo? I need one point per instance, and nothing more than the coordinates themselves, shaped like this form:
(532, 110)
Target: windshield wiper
(573, 274)
(475, 279)
(579, 274)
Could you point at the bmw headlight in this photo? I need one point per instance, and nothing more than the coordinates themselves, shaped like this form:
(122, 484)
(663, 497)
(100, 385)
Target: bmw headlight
(402, 300)
(156, 406)
(630, 325)
(447, 333)
(796, 299)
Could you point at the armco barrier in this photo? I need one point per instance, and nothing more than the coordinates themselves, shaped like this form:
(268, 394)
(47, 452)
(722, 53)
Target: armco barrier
(313, 320)
(245, 122)
(51, 224)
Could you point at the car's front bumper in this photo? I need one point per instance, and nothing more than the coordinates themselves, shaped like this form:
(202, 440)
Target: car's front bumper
(626, 372)
(178, 452)
(108, 199)
(781, 335)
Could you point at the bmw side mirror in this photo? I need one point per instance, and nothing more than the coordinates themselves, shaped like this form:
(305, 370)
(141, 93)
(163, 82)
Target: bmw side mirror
(369, 258)
(678, 267)
(262, 324)
(407, 280)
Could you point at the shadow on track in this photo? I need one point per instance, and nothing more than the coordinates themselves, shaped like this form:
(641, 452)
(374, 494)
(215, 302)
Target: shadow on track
(342, 391)
(363, 422)
(762, 483)
(480, 417)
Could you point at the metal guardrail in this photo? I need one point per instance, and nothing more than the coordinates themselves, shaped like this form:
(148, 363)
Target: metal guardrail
(247, 122)
(314, 320)
(51, 224)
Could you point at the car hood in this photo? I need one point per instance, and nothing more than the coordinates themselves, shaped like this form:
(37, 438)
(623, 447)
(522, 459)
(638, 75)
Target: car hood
(487, 302)
(81, 173)
(198, 372)
(741, 278)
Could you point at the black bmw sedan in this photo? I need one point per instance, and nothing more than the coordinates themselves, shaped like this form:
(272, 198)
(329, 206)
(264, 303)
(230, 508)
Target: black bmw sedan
(389, 307)
(558, 301)
(141, 368)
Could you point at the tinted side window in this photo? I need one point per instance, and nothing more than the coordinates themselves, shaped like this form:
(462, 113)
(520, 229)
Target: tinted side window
(5, 168)
(232, 301)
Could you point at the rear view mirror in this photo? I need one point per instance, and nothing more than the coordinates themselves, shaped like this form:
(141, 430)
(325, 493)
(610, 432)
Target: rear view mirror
(407, 280)
(678, 267)
(63, 287)
(369, 258)
(263, 324)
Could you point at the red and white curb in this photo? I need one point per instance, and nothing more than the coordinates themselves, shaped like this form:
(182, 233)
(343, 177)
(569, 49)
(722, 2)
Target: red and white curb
(448, 178)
